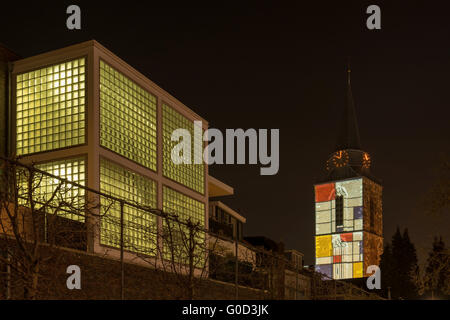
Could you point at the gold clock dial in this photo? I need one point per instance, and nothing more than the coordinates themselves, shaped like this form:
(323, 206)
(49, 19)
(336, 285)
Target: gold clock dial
(338, 159)
(366, 160)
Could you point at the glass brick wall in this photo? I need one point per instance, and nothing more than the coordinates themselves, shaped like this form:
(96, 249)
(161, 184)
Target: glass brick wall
(47, 191)
(185, 207)
(175, 241)
(127, 117)
(139, 225)
(50, 107)
(190, 175)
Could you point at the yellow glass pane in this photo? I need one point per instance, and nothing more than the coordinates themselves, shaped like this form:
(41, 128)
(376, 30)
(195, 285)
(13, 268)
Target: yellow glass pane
(140, 225)
(41, 95)
(127, 118)
(186, 208)
(357, 270)
(324, 246)
(190, 175)
(46, 187)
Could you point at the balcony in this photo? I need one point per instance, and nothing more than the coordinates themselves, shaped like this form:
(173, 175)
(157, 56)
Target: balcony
(221, 228)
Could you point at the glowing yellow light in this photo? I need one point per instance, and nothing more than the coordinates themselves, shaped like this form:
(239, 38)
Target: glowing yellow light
(42, 104)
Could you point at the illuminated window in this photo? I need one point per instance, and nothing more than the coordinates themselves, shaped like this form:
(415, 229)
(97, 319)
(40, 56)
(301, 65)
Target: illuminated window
(57, 193)
(127, 117)
(139, 225)
(190, 175)
(324, 217)
(50, 105)
(185, 208)
(342, 252)
(339, 210)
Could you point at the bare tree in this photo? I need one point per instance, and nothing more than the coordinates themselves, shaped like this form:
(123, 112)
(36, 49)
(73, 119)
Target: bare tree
(433, 276)
(177, 250)
(251, 267)
(184, 253)
(38, 212)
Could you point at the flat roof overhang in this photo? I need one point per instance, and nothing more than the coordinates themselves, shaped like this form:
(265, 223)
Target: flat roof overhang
(217, 188)
(230, 211)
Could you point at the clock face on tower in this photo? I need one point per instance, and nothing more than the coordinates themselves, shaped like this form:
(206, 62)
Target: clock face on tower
(366, 160)
(338, 159)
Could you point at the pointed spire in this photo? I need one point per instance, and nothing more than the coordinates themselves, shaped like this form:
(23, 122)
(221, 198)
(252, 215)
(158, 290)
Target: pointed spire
(349, 134)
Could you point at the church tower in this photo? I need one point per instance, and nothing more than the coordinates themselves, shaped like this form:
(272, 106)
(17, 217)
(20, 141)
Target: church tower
(348, 206)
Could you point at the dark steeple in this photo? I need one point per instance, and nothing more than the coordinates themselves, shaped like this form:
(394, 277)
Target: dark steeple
(348, 159)
(349, 134)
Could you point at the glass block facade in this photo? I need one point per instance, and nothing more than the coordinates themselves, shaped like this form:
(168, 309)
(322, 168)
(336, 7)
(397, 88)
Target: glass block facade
(185, 207)
(190, 175)
(71, 169)
(50, 107)
(51, 114)
(127, 117)
(177, 236)
(139, 225)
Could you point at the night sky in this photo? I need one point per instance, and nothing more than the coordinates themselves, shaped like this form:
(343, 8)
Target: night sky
(272, 65)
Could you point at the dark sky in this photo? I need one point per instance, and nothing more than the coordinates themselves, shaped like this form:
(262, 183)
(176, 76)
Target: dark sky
(278, 65)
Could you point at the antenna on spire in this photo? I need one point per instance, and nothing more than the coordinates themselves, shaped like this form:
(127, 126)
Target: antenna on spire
(349, 70)
(349, 133)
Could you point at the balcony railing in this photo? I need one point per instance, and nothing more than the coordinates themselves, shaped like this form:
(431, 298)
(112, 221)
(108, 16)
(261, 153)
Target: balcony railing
(220, 228)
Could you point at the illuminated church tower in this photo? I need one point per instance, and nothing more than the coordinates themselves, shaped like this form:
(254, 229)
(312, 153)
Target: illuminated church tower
(348, 206)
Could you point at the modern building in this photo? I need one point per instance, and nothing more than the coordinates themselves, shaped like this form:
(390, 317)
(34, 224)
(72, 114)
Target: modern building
(84, 114)
(226, 230)
(348, 207)
(225, 221)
